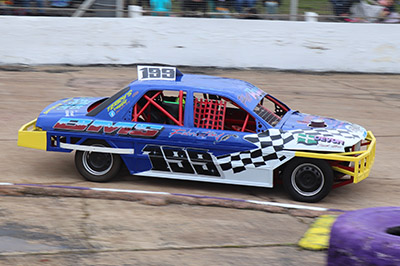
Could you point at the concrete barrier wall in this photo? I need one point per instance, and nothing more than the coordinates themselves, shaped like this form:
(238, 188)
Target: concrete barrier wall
(313, 46)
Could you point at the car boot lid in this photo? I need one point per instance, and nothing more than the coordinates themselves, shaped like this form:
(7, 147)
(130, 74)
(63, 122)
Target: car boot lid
(69, 107)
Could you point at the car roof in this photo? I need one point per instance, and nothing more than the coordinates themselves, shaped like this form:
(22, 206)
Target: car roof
(227, 87)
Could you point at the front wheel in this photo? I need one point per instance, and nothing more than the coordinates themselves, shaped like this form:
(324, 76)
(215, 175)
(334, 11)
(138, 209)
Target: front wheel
(97, 166)
(308, 180)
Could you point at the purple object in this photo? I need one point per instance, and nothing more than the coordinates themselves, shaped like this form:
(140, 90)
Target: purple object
(366, 237)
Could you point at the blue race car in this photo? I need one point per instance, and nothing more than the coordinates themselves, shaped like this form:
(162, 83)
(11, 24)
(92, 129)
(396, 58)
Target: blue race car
(204, 128)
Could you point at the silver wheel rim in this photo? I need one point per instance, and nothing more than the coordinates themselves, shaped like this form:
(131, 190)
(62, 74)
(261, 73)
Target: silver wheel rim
(311, 172)
(87, 164)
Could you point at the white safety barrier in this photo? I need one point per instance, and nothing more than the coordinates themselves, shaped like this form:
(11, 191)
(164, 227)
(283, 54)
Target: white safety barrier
(285, 45)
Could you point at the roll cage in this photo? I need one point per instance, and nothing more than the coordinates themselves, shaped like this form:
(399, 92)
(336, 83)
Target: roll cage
(209, 111)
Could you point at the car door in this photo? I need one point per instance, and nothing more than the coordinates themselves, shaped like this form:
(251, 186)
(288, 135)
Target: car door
(217, 129)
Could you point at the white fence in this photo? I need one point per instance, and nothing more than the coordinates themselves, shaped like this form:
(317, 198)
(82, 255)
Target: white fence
(285, 45)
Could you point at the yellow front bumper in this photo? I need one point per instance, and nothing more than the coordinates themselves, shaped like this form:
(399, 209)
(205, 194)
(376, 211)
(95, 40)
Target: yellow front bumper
(361, 161)
(31, 136)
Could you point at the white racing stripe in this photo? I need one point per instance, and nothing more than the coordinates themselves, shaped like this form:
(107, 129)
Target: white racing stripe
(276, 204)
(287, 205)
(129, 191)
(96, 148)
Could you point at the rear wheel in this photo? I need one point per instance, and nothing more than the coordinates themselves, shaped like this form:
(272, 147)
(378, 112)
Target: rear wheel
(308, 180)
(97, 166)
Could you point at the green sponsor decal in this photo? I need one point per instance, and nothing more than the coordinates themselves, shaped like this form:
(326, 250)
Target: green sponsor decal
(306, 139)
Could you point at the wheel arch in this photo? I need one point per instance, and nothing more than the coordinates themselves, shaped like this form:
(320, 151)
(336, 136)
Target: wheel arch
(108, 143)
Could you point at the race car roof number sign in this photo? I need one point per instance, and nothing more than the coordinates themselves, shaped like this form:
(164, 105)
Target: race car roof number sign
(156, 73)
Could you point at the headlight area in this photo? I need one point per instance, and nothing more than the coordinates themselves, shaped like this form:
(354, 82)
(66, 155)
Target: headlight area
(356, 164)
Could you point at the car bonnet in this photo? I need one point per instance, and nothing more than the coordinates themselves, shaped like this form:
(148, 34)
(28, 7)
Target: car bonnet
(69, 107)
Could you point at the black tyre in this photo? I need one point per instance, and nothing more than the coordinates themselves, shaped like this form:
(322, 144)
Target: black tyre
(97, 166)
(308, 180)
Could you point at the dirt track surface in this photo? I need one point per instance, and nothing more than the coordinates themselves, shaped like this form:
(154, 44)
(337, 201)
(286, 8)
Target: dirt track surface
(100, 232)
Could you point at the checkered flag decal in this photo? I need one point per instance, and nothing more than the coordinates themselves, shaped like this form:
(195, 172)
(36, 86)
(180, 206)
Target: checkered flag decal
(326, 132)
(269, 149)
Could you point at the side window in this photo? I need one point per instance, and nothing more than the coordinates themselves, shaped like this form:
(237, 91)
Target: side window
(270, 110)
(216, 112)
(161, 107)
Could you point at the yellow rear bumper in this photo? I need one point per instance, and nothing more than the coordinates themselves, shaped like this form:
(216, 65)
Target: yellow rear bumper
(361, 161)
(31, 136)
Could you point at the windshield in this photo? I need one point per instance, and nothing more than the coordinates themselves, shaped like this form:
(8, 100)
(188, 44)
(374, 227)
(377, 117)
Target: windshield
(271, 110)
(107, 102)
